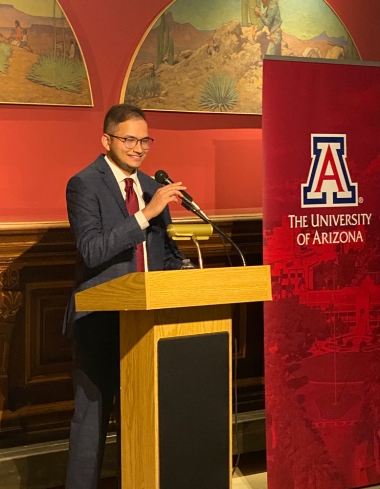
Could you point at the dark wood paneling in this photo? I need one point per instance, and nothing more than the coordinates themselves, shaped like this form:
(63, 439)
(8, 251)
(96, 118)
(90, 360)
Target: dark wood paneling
(36, 276)
(36, 272)
(48, 351)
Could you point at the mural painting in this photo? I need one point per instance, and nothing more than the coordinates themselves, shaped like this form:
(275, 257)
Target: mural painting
(40, 58)
(207, 56)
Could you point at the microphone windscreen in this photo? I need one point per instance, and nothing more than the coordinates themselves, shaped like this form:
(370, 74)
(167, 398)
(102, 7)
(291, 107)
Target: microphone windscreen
(160, 176)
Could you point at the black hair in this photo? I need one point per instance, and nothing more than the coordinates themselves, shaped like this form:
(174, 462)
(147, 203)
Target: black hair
(120, 113)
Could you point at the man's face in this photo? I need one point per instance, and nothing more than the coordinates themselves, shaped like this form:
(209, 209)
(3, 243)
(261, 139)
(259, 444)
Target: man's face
(265, 3)
(127, 159)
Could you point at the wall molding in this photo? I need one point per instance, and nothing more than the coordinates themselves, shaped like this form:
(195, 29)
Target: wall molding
(37, 262)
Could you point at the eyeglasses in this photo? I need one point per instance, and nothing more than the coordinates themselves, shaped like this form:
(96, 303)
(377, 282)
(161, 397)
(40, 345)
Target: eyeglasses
(131, 142)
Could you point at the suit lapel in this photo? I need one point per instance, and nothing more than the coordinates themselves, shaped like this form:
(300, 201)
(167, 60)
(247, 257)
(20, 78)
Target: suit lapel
(149, 188)
(148, 185)
(110, 181)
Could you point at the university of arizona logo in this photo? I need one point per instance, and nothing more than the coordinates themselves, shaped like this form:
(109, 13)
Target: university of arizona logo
(329, 182)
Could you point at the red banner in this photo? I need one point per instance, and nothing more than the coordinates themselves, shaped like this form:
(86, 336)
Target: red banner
(321, 231)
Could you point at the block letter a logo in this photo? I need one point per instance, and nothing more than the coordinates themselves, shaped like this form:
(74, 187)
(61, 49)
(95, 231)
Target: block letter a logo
(329, 182)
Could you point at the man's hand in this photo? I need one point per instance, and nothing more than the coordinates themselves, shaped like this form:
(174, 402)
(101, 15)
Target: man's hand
(257, 12)
(161, 198)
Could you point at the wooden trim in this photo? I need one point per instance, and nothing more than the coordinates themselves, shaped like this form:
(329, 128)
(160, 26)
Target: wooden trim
(249, 382)
(42, 255)
(33, 226)
(43, 225)
(37, 409)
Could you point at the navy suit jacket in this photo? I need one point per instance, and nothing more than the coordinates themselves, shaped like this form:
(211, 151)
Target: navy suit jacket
(106, 236)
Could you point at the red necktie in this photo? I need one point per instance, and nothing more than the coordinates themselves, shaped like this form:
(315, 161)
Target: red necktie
(132, 204)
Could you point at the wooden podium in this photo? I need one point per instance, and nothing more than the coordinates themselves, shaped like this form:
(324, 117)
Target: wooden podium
(175, 366)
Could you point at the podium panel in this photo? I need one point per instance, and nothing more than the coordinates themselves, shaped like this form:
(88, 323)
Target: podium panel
(157, 341)
(193, 411)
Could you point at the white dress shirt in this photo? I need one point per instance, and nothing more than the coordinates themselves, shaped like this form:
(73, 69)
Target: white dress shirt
(120, 178)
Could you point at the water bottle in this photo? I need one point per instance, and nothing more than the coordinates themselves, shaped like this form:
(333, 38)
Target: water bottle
(186, 264)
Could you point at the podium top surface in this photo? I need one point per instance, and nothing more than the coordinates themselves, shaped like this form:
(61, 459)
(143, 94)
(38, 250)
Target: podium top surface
(178, 288)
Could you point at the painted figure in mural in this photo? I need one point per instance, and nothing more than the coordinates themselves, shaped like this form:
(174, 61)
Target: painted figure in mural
(74, 52)
(248, 16)
(77, 52)
(270, 26)
(24, 41)
(71, 53)
(16, 36)
(113, 239)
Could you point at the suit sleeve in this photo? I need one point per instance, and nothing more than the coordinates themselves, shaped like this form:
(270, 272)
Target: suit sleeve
(96, 245)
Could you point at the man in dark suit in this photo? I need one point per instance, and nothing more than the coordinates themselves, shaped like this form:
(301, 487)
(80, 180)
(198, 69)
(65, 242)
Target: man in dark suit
(119, 216)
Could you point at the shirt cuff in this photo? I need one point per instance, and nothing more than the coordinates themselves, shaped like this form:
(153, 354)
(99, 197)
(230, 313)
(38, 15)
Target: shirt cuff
(142, 221)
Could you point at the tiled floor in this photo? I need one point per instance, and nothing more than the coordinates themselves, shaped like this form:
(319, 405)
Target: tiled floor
(239, 481)
(254, 481)
(249, 474)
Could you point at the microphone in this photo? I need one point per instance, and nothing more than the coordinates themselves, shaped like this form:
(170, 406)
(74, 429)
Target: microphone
(187, 201)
